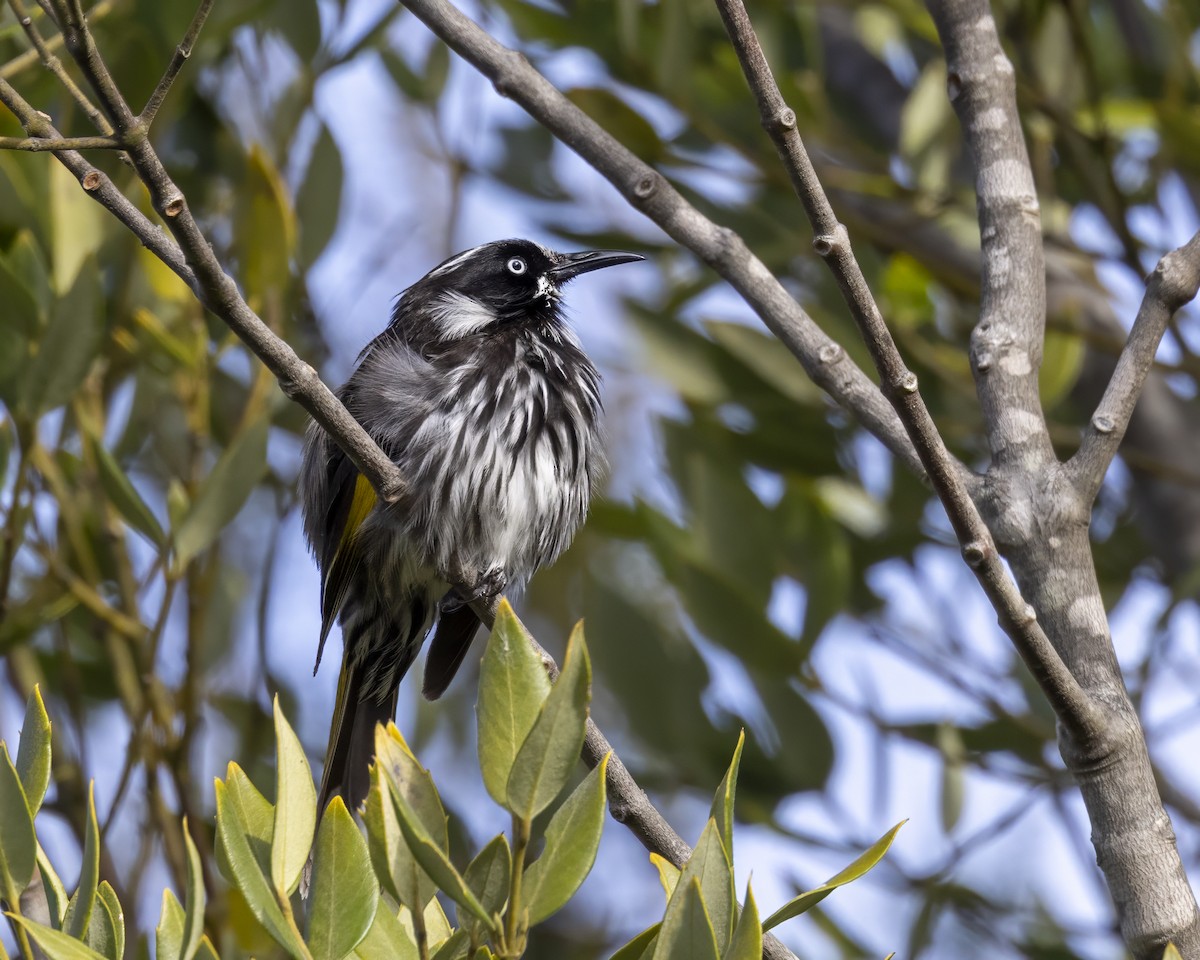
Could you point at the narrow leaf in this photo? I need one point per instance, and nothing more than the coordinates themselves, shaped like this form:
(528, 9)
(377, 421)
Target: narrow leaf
(687, 932)
(344, 892)
(125, 498)
(434, 861)
(387, 939)
(79, 910)
(223, 492)
(513, 685)
(248, 876)
(639, 945)
(195, 899)
(668, 873)
(709, 866)
(295, 808)
(18, 843)
(102, 928)
(746, 943)
(489, 876)
(572, 839)
(56, 944)
(56, 893)
(33, 753)
(722, 805)
(549, 754)
(168, 935)
(863, 863)
(108, 896)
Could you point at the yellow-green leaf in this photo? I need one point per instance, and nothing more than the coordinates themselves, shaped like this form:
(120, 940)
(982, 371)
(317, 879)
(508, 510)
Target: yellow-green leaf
(295, 808)
(56, 944)
(33, 752)
(387, 939)
(18, 844)
(83, 901)
(687, 932)
(746, 943)
(344, 894)
(513, 685)
(722, 805)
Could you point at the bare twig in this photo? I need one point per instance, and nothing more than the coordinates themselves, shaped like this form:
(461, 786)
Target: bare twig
(178, 59)
(31, 57)
(1174, 283)
(54, 65)
(649, 192)
(56, 144)
(832, 242)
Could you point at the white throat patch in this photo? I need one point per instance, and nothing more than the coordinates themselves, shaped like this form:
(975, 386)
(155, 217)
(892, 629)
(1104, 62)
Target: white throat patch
(459, 316)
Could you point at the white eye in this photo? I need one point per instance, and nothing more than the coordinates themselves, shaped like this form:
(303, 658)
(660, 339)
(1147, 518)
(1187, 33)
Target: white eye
(516, 266)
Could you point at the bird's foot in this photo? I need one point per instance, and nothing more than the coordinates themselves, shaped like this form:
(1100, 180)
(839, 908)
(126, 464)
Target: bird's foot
(487, 584)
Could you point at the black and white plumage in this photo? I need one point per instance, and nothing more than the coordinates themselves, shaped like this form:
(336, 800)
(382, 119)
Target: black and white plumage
(484, 398)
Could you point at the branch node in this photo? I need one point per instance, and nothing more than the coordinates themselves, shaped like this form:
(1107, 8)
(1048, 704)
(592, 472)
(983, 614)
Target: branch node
(954, 86)
(90, 181)
(174, 206)
(975, 553)
(825, 244)
(908, 383)
(646, 186)
(1102, 424)
(785, 119)
(983, 362)
(830, 353)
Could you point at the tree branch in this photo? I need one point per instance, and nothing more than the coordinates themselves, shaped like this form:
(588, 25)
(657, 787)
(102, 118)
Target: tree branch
(182, 52)
(57, 144)
(1174, 283)
(627, 801)
(1006, 344)
(832, 242)
(648, 191)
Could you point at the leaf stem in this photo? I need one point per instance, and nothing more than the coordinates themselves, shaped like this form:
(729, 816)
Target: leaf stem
(514, 929)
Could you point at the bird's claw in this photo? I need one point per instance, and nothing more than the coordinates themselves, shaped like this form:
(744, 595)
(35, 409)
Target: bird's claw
(487, 585)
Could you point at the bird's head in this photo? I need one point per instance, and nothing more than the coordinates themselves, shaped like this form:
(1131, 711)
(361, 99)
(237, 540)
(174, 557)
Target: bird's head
(507, 281)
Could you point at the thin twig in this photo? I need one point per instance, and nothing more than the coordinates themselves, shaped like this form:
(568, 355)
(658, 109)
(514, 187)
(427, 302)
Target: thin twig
(648, 191)
(30, 57)
(55, 144)
(178, 59)
(54, 65)
(832, 242)
(1174, 283)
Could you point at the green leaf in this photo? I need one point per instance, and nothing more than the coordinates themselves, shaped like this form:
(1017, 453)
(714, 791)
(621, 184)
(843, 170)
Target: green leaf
(56, 944)
(709, 866)
(687, 933)
(206, 951)
(108, 896)
(549, 754)
(668, 873)
(387, 939)
(397, 770)
(56, 893)
(223, 492)
(433, 859)
(33, 753)
(295, 809)
(572, 839)
(722, 805)
(195, 897)
(488, 876)
(266, 234)
(79, 910)
(102, 928)
(344, 892)
(125, 498)
(77, 228)
(457, 947)
(746, 943)
(863, 863)
(168, 935)
(513, 685)
(320, 197)
(1063, 353)
(248, 876)
(254, 814)
(639, 945)
(70, 341)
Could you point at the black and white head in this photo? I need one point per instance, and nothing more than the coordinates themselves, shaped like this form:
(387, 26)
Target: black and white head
(490, 287)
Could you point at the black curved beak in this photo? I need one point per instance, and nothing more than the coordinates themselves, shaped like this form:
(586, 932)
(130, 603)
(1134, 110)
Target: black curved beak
(573, 264)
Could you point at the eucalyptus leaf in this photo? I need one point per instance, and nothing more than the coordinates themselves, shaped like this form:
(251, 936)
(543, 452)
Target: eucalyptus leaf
(33, 752)
(125, 498)
(18, 843)
(83, 901)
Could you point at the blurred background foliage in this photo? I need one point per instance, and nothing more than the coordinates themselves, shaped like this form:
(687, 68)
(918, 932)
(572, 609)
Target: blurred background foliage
(759, 561)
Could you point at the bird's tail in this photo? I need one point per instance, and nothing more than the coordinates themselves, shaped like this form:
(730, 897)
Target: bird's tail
(352, 736)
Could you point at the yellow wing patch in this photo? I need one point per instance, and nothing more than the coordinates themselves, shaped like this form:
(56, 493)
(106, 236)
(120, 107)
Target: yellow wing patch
(362, 504)
(345, 560)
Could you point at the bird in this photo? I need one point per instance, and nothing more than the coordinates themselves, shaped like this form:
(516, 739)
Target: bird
(484, 398)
